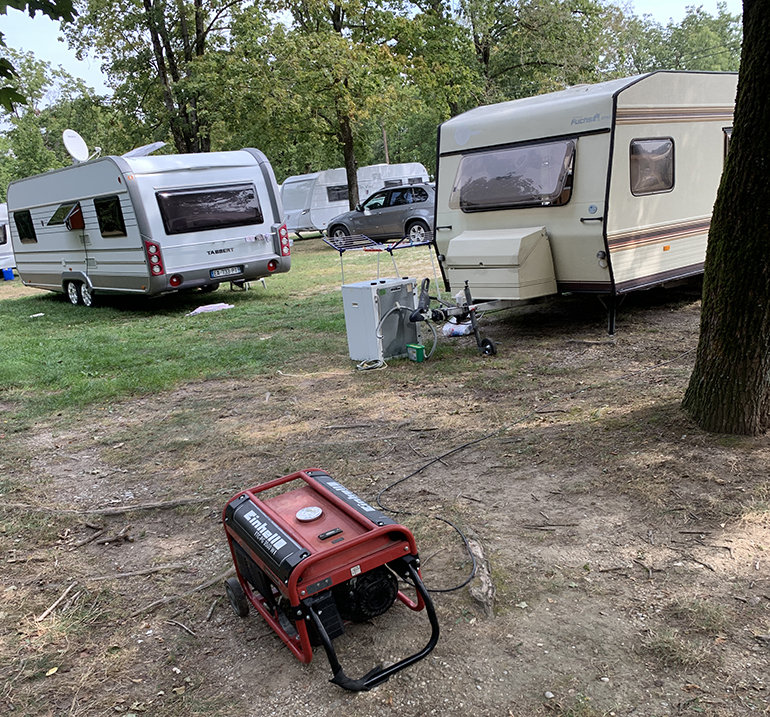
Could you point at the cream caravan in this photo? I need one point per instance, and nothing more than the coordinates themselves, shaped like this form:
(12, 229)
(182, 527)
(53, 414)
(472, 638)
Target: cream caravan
(311, 200)
(149, 225)
(604, 188)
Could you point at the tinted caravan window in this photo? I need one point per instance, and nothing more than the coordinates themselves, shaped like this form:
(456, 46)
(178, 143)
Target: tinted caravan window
(3, 234)
(201, 208)
(652, 166)
(25, 226)
(110, 216)
(338, 193)
(513, 177)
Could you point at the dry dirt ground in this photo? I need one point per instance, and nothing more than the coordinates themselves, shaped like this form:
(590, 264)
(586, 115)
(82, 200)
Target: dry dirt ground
(628, 549)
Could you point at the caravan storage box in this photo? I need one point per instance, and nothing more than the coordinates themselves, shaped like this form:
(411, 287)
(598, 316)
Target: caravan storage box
(502, 263)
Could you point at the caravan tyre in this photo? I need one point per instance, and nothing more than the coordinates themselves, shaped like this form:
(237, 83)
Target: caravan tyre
(86, 295)
(417, 231)
(73, 292)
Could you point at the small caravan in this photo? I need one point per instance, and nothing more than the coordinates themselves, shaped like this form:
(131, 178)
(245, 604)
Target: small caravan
(311, 200)
(7, 259)
(149, 224)
(604, 188)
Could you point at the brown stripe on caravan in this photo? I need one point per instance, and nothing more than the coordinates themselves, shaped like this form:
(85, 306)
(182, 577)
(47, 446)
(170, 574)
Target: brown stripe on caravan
(650, 115)
(644, 282)
(657, 235)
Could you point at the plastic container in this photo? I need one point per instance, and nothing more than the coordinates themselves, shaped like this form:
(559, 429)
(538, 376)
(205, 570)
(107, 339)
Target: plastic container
(416, 352)
(8, 274)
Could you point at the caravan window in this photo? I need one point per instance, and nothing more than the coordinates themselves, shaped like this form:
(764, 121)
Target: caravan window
(25, 226)
(393, 183)
(201, 208)
(525, 176)
(61, 213)
(652, 166)
(110, 216)
(338, 193)
(3, 235)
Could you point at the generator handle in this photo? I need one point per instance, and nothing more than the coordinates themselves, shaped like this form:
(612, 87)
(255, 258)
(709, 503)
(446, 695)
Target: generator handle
(378, 674)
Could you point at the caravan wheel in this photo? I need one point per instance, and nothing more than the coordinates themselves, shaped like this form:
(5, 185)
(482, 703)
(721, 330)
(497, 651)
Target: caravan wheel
(86, 296)
(73, 292)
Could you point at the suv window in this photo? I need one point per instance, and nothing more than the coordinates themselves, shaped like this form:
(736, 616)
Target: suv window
(410, 195)
(651, 165)
(376, 201)
(509, 178)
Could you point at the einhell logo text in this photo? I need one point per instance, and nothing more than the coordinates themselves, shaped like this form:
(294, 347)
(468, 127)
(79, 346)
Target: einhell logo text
(271, 540)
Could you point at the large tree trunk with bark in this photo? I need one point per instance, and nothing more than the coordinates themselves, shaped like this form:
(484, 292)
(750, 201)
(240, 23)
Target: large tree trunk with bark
(348, 152)
(729, 390)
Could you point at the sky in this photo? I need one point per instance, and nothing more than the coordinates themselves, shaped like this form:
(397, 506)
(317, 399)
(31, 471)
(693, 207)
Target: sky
(40, 35)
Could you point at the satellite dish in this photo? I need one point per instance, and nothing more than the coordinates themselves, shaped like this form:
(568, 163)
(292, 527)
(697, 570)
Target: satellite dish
(144, 150)
(75, 145)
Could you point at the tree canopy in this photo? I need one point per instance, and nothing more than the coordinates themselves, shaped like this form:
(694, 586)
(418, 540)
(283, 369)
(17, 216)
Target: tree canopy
(318, 84)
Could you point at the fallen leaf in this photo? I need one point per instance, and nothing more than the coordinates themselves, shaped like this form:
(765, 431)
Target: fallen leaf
(52, 671)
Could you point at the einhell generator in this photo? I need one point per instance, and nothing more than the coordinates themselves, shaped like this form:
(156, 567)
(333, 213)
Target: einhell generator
(316, 556)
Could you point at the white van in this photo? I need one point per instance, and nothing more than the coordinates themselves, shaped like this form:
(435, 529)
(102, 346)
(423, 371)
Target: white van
(311, 200)
(7, 259)
(149, 225)
(604, 188)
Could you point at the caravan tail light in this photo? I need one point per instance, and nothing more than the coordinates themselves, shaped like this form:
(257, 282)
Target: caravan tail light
(283, 236)
(272, 265)
(175, 280)
(156, 261)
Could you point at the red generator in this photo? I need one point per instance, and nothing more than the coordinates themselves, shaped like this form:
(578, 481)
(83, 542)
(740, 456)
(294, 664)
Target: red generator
(316, 556)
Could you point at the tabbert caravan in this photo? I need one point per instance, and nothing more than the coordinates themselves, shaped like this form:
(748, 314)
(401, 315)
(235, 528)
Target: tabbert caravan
(7, 259)
(149, 225)
(311, 200)
(603, 189)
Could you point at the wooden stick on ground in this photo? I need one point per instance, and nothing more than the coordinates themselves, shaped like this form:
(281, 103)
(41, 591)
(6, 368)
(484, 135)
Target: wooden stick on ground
(164, 601)
(53, 607)
(135, 573)
(115, 510)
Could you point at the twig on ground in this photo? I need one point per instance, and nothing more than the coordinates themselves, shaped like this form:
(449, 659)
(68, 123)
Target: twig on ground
(211, 609)
(85, 541)
(184, 627)
(345, 428)
(53, 607)
(117, 538)
(162, 505)
(135, 573)
(164, 601)
(586, 342)
(695, 532)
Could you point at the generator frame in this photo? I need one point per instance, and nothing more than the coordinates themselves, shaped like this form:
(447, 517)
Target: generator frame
(381, 542)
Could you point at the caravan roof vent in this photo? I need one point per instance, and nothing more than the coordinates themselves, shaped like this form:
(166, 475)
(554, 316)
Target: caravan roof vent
(144, 150)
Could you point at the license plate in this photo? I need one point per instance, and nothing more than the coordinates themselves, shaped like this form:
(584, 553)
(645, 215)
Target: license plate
(229, 271)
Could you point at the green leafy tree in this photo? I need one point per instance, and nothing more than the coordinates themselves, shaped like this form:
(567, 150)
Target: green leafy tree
(729, 390)
(699, 42)
(56, 10)
(55, 101)
(153, 53)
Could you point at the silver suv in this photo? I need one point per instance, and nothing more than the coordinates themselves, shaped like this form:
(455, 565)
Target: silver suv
(391, 213)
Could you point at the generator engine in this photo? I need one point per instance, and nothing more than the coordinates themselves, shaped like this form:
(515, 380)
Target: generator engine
(316, 557)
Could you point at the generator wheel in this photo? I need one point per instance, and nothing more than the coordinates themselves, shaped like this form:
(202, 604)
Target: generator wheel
(238, 600)
(488, 347)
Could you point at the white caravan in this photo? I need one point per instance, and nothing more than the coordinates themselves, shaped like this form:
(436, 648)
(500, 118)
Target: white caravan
(7, 260)
(311, 200)
(604, 188)
(149, 225)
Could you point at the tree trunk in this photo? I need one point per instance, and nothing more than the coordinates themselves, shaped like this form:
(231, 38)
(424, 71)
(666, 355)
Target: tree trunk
(729, 390)
(348, 152)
